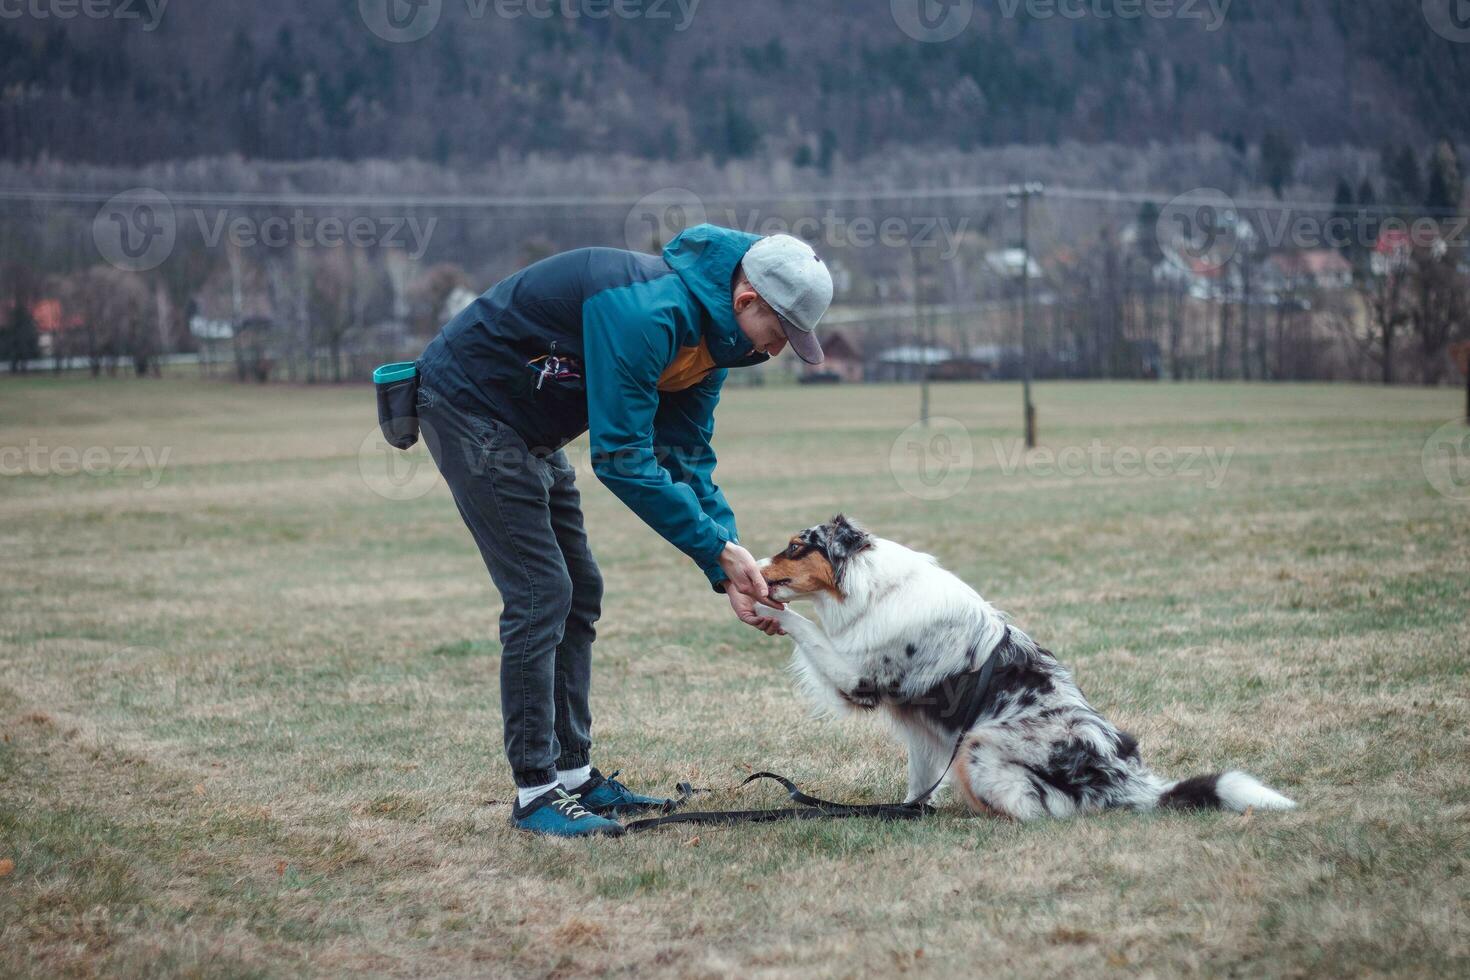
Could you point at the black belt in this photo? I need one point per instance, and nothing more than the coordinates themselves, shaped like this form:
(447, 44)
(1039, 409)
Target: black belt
(813, 808)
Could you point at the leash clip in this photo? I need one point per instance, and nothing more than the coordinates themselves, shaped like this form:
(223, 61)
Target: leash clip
(548, 370)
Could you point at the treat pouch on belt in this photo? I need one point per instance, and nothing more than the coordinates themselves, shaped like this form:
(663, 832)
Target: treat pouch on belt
(398, 414)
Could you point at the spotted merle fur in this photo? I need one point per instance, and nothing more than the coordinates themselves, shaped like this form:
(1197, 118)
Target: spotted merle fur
(839, 541)
(1127, 745)
(1072, 757)
(1198, 793)
(905, 638)
(866, 696)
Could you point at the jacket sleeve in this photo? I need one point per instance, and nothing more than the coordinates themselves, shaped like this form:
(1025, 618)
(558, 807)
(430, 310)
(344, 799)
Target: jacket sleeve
(682, 431)
(626, 349)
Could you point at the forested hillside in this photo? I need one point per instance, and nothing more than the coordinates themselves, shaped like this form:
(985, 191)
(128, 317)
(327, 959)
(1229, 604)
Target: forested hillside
(799, 79)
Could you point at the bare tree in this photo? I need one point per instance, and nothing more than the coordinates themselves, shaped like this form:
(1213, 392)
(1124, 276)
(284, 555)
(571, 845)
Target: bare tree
(428, 293)
(345, 285)
(22, 287)
(1386, 303)
(114, 310)
(1441, 307)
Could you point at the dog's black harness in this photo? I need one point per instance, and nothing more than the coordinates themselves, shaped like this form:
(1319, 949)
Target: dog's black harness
(975, 700)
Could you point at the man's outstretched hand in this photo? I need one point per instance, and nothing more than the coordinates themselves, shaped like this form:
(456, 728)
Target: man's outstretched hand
(746, 588)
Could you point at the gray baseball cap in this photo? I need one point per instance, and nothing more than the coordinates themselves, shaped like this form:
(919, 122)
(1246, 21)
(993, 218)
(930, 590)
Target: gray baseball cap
(796, 283)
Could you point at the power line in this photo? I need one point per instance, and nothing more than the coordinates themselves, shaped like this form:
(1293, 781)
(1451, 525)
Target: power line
(1210, 197)
(1201, 197)
(229, 198)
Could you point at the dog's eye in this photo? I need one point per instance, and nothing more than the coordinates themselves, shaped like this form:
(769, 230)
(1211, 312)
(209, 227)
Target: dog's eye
(792, 550)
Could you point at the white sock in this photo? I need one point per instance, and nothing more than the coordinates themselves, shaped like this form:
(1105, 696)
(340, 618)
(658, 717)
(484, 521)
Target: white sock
(573, 778)
(525, 796)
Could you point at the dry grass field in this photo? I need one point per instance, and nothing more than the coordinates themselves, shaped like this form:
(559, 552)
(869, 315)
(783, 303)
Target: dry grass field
(250, 722)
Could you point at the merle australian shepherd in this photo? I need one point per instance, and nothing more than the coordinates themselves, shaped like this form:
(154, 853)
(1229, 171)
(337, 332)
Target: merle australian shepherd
(901, 636)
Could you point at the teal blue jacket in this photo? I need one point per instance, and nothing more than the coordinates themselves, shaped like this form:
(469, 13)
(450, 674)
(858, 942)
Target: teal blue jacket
(632, 348)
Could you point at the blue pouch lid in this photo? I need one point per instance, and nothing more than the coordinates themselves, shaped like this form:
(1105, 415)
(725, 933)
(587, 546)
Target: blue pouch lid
(401, 371)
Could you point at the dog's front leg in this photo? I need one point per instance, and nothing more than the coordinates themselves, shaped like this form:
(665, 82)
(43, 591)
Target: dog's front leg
(798, 627)
(817, 652)
(927, 761)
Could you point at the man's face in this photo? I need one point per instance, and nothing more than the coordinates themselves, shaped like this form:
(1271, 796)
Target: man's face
(758, 321)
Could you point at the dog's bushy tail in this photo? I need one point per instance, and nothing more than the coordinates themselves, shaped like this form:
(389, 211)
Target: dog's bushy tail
(1223, 791)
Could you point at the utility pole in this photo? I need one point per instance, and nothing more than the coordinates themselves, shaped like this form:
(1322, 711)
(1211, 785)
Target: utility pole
(923, 337)
(1461, 355)
(1020, 196)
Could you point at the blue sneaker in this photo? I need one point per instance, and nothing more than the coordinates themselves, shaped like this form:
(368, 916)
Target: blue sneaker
(604, 794)
(557, 814)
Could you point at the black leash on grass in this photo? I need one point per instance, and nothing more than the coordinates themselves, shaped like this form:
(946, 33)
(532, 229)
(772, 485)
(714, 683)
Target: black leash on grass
(810, 807)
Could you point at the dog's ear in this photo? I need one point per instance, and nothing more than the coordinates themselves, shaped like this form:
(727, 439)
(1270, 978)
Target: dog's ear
(844, 540)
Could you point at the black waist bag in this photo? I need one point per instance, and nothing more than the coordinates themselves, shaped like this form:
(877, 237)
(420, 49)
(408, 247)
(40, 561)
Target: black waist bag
(398, 412)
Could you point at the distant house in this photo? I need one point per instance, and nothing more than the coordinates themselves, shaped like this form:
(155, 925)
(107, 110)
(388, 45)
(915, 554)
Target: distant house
(1208, 280)
(253, 341)
(51, 322)
(205, 329)
(1323, 268)
(1001, 361)
(962, 369)
(982, 363)
(1202, 278)
(1007, 262)
(1391, 253)
(214, 338)
(843, 364)
(907, 363)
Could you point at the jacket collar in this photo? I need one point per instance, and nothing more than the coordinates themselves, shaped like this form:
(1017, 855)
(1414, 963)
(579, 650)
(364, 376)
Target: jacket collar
(705, 258)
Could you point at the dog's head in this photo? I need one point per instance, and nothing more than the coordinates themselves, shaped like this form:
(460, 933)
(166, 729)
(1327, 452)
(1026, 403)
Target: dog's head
(816, 560)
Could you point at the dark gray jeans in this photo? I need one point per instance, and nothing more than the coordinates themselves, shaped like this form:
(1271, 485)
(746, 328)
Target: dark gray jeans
(525, 513)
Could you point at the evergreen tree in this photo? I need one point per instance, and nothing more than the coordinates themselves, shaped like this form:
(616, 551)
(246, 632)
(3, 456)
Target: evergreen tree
(1148, 233)
(1445, 183)
(827, 153)
(1363, 246)
(1278, 161)
(1405, 180)
(669, 142)
(1342, 211)
(241, 75)
(742, 136)
(19, 342)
